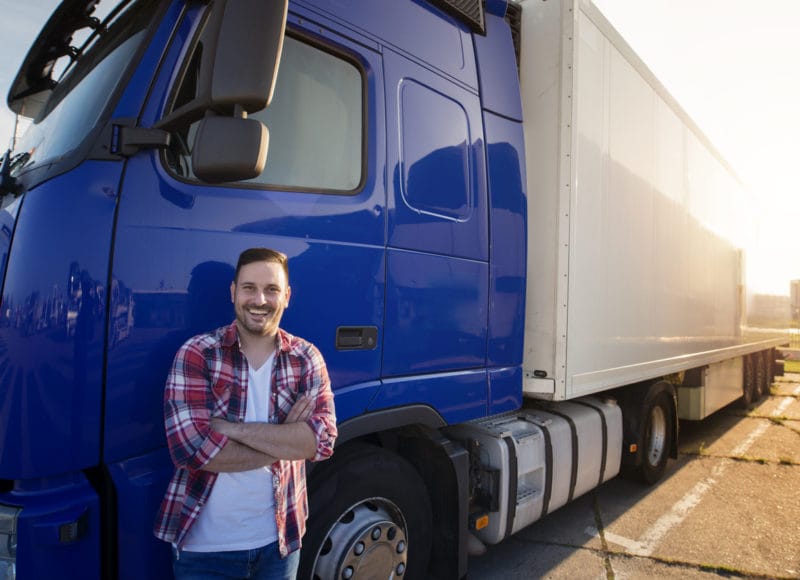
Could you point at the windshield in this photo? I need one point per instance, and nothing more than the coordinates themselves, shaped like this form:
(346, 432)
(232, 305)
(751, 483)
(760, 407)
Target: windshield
(87, 84)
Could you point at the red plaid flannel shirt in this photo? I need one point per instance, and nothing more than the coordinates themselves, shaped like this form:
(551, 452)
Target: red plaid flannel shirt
(209, 379)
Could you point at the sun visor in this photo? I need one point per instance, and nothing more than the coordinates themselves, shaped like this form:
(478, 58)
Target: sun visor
(470, 12)
(34, 82)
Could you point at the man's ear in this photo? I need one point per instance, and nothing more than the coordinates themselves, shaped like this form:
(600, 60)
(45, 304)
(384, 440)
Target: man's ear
(233, 292)
(288, 295)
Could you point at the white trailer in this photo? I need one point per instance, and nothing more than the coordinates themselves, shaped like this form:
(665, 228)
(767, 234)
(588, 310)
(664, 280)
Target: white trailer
(635, 291)
(635, 219)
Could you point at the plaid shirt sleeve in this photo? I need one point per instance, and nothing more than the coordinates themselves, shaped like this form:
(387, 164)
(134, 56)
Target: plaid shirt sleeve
(188, 402)
(323, 420)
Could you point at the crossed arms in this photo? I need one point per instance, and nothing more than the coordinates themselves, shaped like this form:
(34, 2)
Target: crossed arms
(198, 439)
(254, 445)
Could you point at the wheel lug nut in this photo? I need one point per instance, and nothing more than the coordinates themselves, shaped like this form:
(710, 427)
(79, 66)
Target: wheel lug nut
(348, 573)
(400, 569)
(401, 547)
(376, 533)
(359, 549)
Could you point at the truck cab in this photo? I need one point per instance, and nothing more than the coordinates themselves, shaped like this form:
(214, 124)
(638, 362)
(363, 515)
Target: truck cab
(393, 180)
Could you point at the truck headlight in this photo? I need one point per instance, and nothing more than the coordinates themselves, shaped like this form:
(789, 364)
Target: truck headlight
(8, 542)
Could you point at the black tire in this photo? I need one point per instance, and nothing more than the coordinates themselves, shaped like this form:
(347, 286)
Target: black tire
(762, 380)
(768, 356)
(370, 517)
(777, 359)
(749, 382)
(658, 426)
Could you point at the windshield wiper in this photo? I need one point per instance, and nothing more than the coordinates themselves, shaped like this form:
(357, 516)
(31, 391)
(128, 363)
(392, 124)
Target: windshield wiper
(8, 183)
(98, 29)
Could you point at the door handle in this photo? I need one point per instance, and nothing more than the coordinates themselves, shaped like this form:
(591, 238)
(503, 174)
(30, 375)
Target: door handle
(356, 337)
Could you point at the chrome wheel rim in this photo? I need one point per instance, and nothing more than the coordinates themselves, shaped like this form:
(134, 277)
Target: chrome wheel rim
(657, 436)
(369, 540)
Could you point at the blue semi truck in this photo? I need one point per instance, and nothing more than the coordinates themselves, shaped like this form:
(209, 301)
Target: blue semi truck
(516, 252)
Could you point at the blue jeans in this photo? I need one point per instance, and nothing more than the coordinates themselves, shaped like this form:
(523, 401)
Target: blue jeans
(259, 564)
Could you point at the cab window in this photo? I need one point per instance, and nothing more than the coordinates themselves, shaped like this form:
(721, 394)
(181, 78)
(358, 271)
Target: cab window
(315, 123)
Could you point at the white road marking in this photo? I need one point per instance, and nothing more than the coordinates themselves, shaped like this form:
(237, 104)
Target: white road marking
(631, 545)
(783, 406)
(742, 448)
(679, 512)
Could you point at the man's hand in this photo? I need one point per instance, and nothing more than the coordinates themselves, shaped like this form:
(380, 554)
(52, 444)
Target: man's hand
(301, 410)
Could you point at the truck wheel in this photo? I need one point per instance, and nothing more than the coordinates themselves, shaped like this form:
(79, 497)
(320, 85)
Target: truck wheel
(749, 383)
(656, 438)
(370, 517)
(762, 380)
(767, 357)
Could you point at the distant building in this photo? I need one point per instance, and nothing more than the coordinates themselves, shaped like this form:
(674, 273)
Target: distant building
(771, 310)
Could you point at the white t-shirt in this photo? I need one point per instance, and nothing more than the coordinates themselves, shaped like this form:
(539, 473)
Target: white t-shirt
(239, 513)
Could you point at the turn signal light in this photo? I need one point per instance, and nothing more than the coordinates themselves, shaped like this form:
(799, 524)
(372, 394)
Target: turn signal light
(481, 522)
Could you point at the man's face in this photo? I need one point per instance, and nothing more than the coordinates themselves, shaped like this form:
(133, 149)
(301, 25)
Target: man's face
(259, 296)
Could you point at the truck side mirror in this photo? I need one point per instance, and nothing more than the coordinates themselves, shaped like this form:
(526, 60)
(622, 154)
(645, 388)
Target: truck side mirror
(234, 69)
(237, 61)
(248, 54)
(229, 149)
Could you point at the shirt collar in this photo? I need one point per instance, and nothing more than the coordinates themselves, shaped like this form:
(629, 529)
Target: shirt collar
(231, 337)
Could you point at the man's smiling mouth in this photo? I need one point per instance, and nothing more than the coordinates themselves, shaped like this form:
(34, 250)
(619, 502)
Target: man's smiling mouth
(259, 313)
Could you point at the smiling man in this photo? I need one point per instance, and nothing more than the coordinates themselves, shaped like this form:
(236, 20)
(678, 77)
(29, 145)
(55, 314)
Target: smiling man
(245, 406)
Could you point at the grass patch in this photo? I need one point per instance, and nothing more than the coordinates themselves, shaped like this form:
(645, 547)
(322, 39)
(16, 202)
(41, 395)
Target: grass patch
(791, 366)
(598, 523)
(774, 418)
(751, 459)
(721, 569)
(741, 458)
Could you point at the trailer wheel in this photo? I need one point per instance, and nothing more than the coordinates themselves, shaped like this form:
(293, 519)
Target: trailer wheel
(767, 357)
(749, 382)
(762, 380)
(656, 438)
(370, 517)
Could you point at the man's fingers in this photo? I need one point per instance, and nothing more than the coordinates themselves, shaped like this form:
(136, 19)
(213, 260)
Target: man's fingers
(301, 410)
(309, 408)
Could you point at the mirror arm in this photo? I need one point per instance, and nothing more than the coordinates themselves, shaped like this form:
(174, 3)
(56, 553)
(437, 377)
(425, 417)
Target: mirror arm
(186, 115)
(133, 139)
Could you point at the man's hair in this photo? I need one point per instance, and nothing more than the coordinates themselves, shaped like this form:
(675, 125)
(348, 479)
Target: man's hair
(261, 255)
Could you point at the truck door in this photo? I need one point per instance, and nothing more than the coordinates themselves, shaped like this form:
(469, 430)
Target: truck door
(437, 254)
(321, 200)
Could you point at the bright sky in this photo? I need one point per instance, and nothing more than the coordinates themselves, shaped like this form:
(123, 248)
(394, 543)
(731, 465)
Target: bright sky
(19, 27)
(732, 64)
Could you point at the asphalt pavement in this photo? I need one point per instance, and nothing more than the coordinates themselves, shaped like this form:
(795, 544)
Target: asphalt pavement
(728, 507)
